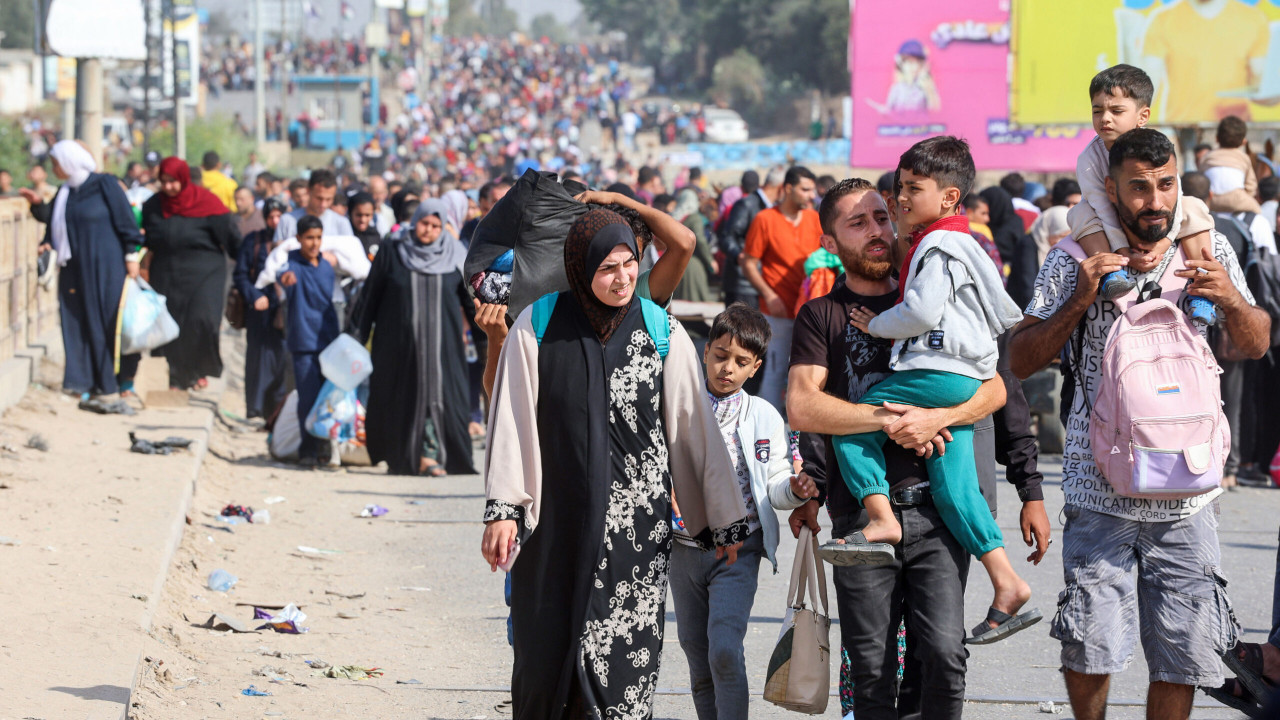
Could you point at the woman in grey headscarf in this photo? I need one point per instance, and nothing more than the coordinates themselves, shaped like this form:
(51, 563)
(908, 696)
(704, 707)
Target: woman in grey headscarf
(416, 300)
(456, 206)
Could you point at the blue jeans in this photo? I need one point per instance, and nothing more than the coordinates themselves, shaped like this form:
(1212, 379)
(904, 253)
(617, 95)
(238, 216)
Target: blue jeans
(713, 604)
(507, 593)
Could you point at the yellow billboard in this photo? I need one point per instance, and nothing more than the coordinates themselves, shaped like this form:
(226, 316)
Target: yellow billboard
(1207, 58)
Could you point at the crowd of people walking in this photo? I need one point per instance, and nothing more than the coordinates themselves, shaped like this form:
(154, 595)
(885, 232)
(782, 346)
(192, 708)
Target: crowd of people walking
(867, 359)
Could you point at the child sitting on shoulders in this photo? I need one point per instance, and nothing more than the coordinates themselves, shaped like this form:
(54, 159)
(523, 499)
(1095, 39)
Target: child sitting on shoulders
(1121, 97)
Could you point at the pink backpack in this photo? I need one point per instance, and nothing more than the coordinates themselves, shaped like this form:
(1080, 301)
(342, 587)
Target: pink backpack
(1156, 426)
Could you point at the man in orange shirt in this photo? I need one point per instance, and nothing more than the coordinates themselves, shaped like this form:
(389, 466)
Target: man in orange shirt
(781, 238)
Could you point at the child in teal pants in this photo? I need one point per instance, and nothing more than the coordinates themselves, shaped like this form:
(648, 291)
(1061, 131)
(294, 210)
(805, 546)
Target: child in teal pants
(951, 308)
(952, 475)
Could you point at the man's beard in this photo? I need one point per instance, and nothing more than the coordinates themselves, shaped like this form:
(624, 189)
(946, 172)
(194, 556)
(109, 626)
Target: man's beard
(1146, 233)
(859, 264)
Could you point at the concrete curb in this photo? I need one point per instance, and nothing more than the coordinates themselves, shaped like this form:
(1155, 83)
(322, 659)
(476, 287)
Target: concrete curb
(178, 527)
(18, 372)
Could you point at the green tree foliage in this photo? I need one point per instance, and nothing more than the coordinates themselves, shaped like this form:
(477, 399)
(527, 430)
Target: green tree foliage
(13, 150)
(797, 42)
(17, 22)
(463, 19)
(546, 25)
(480, 17)
(738, 80)
(216, 132)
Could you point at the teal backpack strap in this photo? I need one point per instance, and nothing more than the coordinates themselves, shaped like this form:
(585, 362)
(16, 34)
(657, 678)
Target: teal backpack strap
(542, 309)
(655, 321)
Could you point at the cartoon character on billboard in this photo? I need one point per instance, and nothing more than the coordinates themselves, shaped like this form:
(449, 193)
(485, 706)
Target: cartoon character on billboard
(912, 90)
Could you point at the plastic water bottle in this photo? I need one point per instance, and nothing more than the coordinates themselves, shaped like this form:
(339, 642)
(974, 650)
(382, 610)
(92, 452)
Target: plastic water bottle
(345, 362)
(221, 581)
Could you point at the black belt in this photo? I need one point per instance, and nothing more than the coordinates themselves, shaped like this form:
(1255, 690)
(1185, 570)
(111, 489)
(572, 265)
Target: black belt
(911, 496)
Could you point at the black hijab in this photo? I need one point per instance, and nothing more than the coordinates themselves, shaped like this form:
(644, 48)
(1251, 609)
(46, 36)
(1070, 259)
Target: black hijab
(591, 239)
(399, 199)
(1006, 227)
(369, 237)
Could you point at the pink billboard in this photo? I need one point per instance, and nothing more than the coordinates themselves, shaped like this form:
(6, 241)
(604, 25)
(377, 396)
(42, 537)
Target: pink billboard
(922, 68)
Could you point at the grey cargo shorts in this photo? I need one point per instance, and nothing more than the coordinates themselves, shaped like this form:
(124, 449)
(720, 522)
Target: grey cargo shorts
(1176, 602)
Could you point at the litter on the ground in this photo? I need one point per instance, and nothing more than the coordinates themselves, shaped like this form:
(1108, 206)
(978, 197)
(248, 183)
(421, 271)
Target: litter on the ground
(37, 442)
(272, 500)
(218, 621)
(350, 672)
(415, 588)
(102, 407)
(372, 510)
(221, 581)
(252, 691)
(317, 664)
(1050, 707)
(157, 447)
(286, 620)
(345, 596)
(408, 682)
(317, 551)
(12, 542)
(230, 519)
(237, 511)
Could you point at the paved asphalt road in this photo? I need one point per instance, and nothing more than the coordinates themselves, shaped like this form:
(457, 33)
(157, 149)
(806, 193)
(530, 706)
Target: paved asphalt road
(1006, 680)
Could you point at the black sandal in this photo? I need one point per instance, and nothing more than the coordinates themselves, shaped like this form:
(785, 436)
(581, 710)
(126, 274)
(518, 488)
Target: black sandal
(1245, 660)
(1236, 696)
(855, 550)
(1006, 625)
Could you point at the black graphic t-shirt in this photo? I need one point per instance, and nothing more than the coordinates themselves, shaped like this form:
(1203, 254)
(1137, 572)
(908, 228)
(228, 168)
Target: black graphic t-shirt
(855, 361)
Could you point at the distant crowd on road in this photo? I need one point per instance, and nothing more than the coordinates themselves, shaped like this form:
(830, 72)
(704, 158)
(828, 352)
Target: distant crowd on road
(658, 366)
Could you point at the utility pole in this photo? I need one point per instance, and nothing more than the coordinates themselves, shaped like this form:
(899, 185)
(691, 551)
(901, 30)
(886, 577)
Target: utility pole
(179, 104)
(260, 77)
(89, 105)
(146, 81)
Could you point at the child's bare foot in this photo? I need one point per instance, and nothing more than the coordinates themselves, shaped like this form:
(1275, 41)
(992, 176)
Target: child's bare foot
(1005, 616)
(883, 530)
(1011, 598)
(882, 525)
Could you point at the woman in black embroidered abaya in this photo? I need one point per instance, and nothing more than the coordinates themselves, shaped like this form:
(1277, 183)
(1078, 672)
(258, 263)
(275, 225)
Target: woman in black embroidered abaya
(591, 428)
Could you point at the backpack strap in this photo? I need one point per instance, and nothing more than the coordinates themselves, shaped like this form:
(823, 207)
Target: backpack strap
(542, 309)
(655, 321)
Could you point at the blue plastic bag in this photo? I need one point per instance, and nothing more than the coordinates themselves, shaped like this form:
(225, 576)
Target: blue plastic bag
(333, 417)
(145, 323)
